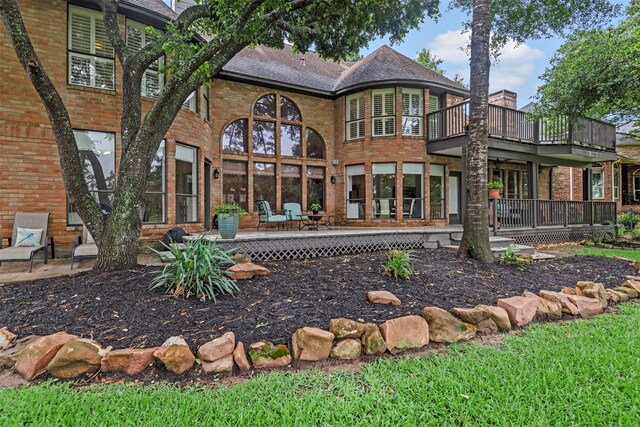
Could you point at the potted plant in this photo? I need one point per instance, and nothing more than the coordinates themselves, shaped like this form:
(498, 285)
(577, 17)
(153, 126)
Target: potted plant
(228, 219)
(494, 189)
(315, 208)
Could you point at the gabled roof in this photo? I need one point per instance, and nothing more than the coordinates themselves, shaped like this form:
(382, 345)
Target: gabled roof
(387, 65)
(156, 6)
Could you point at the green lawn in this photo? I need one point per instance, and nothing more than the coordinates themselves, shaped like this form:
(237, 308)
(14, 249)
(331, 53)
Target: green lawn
(624, 253)
(585, 372)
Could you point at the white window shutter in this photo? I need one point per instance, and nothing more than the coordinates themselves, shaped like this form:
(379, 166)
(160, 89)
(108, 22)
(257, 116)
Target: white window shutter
(406, 104)
(389, 104)
(134, 37)
(102, 45)
(104, 72)
(377, 105)
(79, 70)
(151, 83)
(80, 37)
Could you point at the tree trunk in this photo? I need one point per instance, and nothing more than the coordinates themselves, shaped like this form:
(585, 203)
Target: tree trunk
(118, 249)
(475, 237)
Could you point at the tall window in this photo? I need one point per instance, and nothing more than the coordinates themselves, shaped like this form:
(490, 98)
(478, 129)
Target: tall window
(264, 183)
(234, 138)
(291, 183)
(186, 184)
(597, 184)
(356, 196)
(137, 38)
(636, 185)
(154, 199)
(412, 112)
(436, 191)
(264, 137)
(290, 140)
(191, 103)
(383, 182)
(616, 181)
(355, 117)
(412, 190)
(512, 185)
(234, 183)
(315, 145)
(383, 112)
(91, 55)
(98, 158)
(315, 186)
(205, 99)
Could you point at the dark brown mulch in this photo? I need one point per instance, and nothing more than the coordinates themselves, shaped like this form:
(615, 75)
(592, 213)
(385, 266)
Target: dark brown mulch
(118, 309)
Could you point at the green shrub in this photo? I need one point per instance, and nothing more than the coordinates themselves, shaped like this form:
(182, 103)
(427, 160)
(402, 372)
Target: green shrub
(229, 209)
(199, 269)
(511, 257)
(399, 264)
(629, 219)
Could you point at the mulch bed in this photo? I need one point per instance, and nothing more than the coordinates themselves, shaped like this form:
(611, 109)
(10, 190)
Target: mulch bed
(118, 309)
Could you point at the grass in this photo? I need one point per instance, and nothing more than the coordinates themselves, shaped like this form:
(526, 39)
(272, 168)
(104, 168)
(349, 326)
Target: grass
(574, 373)
(610, 253)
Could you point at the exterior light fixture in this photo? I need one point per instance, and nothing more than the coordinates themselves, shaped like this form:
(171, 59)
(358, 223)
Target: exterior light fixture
(216, 173)
(333, 179)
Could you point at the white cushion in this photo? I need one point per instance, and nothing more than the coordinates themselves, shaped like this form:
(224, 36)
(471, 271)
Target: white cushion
(89, 239)
(28, 237)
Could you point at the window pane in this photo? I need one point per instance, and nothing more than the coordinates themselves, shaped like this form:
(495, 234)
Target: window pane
(315, 145)
(265, 106)
(436, 191)
(264, 137)
(383, 179)
(156, 176)
(288, 111)
(290, 140)
(104, 199)
(598, 185)
(356, 188)
(412, 194)
(154, 207)
(186, 184)
(264, 183)
(315, 186)
(235, 137)
(291, 184)
(97, 153)
(234, 183)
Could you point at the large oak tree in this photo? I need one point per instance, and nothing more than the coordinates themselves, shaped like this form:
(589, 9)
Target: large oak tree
(492, 24)
(196, 46)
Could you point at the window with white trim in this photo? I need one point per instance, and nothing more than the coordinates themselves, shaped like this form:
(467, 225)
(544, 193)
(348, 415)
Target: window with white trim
(412, 112)
(90, 53)
(597, 184)
(616, 181)
(383, 112)
(137, 38)
(191, 103)
(355, 117)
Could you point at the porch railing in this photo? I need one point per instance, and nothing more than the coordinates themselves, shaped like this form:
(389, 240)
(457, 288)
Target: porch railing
(533, 213)
(507, 123)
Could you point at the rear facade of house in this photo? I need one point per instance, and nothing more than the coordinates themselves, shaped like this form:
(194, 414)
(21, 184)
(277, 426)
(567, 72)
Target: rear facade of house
(379, 142)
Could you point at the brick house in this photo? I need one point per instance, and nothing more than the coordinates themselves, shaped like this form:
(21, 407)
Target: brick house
(379, 142)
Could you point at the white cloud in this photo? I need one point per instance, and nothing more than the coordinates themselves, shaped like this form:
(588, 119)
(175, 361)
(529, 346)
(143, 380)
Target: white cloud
(513, 69)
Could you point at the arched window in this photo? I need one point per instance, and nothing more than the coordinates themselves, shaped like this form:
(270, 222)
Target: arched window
(235, 137)
(315, 145)
(265, 106)
(289, 111)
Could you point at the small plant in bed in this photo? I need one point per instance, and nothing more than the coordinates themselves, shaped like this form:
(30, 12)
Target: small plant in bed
(399, 264)
(511, 257)
(199, 269)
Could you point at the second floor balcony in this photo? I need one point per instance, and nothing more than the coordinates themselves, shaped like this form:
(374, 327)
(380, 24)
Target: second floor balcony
(520, 136)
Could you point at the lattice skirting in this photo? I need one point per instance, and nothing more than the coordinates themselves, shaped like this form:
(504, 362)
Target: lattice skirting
(541, 237)
(320, 246)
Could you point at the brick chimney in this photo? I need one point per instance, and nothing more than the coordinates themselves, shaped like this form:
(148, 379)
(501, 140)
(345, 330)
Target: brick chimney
(504, 98)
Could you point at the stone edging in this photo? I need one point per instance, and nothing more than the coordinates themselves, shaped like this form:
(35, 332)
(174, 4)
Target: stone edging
(68, 356)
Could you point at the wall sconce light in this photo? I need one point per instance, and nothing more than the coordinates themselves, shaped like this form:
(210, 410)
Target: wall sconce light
(216, 173)
(333, 179)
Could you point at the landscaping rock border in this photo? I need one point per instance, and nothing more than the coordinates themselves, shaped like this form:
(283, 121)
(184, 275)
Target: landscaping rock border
(67, 356)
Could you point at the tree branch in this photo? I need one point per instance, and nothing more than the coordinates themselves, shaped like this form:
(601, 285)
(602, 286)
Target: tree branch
(110, 17)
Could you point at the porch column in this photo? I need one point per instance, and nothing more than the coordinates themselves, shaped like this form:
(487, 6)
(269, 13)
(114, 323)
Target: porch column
(463, 185)
(532, 179)
(587, 189)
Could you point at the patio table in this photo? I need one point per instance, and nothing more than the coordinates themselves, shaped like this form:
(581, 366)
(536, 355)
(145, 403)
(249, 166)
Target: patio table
(316, 220)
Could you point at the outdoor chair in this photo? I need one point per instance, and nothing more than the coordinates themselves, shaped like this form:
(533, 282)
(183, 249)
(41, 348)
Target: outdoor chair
(267, 216)
(29, 236)
(409, 214)
(293, 211)
(85, 247)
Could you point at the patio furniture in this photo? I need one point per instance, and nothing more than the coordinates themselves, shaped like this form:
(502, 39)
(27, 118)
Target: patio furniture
(409, 214)
(267, 216)
(313, 221)
(84, 247)
(293, 211)
(29, 236)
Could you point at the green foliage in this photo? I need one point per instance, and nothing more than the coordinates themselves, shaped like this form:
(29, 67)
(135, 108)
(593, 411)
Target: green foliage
(617, 231)
(629, 219)
(511, 257)
(495, 185)
(315, 207)
(399, 264)
(430, 61)
(229, 209)
(597, 73)
(199, 269)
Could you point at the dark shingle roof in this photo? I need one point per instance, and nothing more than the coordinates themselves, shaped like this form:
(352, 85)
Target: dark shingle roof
(283, 66)
(385, 64)
(156, 6)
